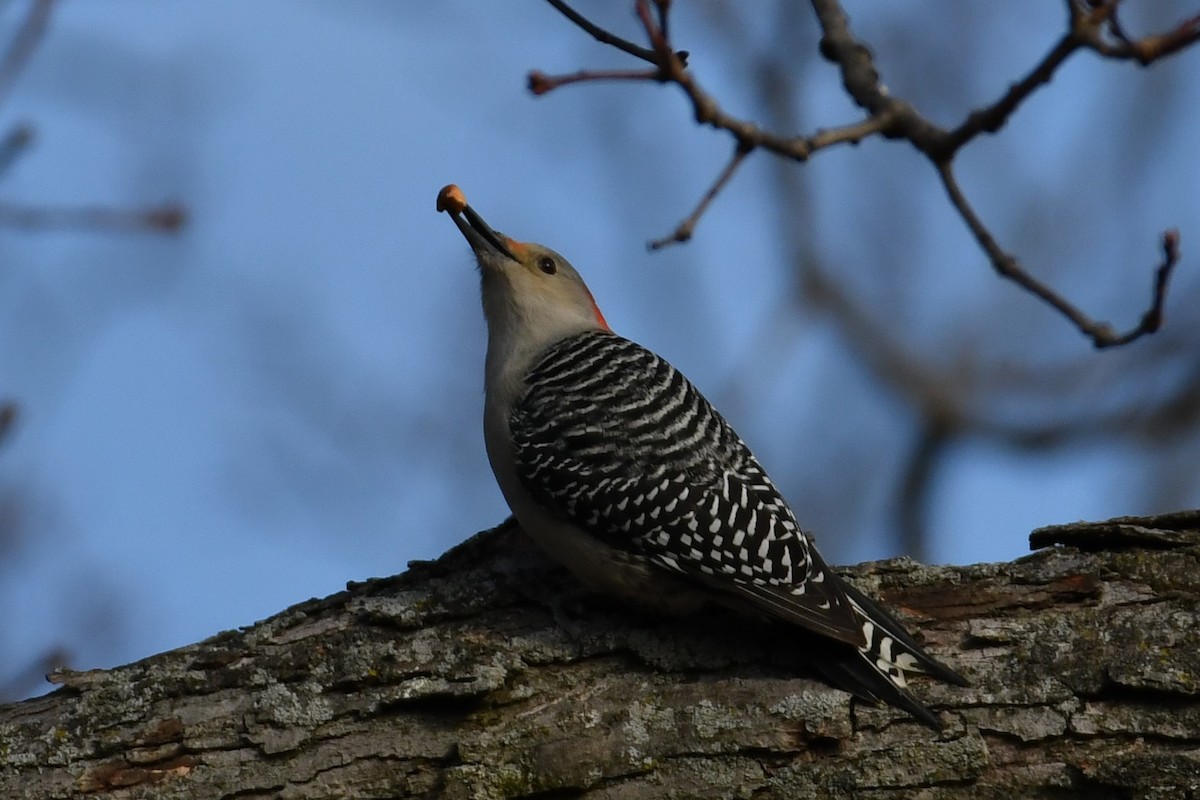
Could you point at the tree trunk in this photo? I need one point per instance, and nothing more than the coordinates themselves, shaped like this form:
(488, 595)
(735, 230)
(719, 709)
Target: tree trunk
(489, 674)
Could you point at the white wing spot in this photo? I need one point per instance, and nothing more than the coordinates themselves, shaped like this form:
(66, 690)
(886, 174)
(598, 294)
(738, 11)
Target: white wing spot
(896, 676)
(885, 648)
(670, 562)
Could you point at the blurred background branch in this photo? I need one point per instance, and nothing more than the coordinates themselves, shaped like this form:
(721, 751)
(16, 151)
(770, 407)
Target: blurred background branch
(22, 44)
(20, 675)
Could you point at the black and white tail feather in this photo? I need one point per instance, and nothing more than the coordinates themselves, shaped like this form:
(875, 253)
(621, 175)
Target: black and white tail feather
(614, 440)
(889, 653)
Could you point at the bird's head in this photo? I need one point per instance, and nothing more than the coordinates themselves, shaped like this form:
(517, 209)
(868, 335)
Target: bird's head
(528, 289)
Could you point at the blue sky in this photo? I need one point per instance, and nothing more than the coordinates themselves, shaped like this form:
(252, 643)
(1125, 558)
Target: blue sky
(286, 394)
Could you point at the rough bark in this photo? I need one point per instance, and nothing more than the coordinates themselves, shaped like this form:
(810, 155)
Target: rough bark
(488, 674)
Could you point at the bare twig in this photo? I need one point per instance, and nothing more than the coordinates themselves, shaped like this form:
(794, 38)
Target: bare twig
(671, 67)
(23, 44)
(168, 218)
(664, 13)
(605, 37)
(684, 230)
(1101, 333)
(1153, 318)
(1146, 50)
(952, 399)
(540, 83)
(993, 117)
(893, 118)
(847, 134)
(1152, 48)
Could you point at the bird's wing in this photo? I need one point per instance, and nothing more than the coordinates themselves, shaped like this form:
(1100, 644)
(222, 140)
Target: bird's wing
(619, 443)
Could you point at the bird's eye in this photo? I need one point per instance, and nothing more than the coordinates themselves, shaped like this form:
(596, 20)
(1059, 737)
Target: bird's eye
(546, 264)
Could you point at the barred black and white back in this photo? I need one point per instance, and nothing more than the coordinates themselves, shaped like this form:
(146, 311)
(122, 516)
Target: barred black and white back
(614, 440)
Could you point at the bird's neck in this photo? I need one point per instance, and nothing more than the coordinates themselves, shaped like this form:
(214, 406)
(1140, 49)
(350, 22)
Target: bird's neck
(517, 337)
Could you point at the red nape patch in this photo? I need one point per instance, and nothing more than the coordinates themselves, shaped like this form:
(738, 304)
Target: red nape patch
(599, 316)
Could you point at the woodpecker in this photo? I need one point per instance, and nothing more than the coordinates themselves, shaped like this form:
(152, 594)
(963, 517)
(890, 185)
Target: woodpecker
(617, 467)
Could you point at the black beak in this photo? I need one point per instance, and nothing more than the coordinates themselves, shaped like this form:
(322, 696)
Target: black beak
(478, 232)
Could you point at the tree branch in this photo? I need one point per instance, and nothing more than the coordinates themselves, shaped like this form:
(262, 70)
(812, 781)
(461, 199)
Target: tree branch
(992, 118)
(893, 118)
(489, 674)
